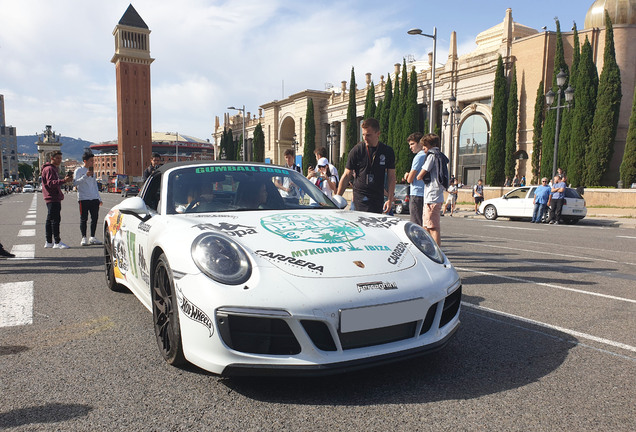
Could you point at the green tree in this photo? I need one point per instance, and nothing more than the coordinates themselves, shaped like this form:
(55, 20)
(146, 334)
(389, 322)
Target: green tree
(549, 126)
(583, 115)
(25, 171)
(386, 111)
(258, 147)
(537, 126)
(395, 110)
(410, 124)
(496, 149)
(511, 126)
(567, 115)
(605, 123)
(369, 105)
(309, 157)
(628, 165)
(352, 119)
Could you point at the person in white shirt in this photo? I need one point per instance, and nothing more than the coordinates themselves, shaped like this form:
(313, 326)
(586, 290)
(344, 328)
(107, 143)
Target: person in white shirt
(325, 181)
(88, 198)
(452, 197)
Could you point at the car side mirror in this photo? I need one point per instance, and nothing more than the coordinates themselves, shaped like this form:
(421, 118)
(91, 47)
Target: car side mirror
(135, 206)
(339, 201)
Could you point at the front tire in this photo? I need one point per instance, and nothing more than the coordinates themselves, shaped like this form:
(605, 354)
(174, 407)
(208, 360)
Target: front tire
(109, 264)
(490, 212)
(165, 314)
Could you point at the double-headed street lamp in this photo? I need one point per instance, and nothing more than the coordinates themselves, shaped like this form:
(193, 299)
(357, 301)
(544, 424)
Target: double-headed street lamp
(417, 31)
(549, 99)
(454, 116)
(244, 137)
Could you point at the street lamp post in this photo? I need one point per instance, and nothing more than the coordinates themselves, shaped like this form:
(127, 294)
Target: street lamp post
(177, 148)
(549, 99)
(244, 137)
(417, 31)
(454, 116)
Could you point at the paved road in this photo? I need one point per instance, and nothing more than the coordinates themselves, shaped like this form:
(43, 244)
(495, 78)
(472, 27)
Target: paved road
(547, 343)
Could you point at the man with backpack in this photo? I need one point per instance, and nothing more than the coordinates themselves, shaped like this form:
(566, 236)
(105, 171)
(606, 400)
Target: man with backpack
(434, 173)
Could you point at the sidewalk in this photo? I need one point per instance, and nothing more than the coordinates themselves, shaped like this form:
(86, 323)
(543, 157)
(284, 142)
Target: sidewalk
(610, 217)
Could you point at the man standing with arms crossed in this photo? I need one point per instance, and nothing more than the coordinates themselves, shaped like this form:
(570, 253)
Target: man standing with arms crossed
(88, 198)
(53, 196)
(416, 192)
(371, 161)
(558, 193)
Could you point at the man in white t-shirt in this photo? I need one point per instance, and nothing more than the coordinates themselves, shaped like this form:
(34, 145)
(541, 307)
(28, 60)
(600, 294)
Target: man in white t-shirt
(287, 188)
(452, 197)
(433, 190)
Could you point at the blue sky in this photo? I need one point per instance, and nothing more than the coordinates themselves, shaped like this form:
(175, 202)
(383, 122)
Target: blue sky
(55, 55)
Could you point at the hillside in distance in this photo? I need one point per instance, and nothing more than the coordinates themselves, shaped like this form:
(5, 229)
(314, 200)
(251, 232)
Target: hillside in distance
(72, 148)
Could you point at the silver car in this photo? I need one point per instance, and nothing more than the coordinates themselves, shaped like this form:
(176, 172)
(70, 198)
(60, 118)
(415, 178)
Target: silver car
(517, 204)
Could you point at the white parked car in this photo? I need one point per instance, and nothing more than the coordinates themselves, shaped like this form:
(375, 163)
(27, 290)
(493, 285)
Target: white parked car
(517, 204)
(28, 188)
(250, 269)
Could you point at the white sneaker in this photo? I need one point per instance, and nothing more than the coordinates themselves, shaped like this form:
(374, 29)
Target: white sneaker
(61, 245)
(84, 242)
(48, 245)
(94, 241)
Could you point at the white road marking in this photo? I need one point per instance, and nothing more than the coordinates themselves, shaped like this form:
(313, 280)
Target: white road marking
(16, 303)
(23, 251)
(514, 228)
(26, 233)
(629, 237)
(31, 216)
(28, 222)
(547, 285)
(557, 328)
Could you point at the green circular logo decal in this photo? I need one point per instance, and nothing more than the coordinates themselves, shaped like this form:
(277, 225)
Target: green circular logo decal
(313, 229)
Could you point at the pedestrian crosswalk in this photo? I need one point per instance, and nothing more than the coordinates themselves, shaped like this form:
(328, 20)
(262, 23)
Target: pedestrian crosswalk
(16, 298)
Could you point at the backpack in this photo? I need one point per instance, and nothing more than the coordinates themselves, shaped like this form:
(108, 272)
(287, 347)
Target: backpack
(441, 162)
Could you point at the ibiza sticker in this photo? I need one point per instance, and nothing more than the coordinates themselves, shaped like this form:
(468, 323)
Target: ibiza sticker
(324, 229)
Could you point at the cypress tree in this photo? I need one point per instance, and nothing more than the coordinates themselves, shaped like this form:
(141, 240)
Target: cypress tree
(583, 115)
(352, 118)
(309, 158)
(628, 165)
(258, 148)
(369, 105)
(386, 111)
(410, 124)
(395, 110)
(568, 114)
(537, 126)
(511, 126)
(496, 148)
(608, 104)
(549, 126)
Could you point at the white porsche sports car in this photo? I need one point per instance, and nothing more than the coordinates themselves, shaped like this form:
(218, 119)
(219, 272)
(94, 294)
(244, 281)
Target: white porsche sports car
(249, 269)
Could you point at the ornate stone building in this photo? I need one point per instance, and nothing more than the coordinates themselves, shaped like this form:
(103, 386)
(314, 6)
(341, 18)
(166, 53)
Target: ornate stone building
(8, 148)
(466, 81)
(47, 143)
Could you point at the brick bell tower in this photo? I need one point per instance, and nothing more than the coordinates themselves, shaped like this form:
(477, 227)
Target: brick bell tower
(132, 65)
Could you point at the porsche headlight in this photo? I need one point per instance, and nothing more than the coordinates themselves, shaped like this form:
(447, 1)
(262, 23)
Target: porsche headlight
(424, 242)
(221, 259)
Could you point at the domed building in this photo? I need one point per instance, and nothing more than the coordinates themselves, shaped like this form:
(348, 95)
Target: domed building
(464, 87)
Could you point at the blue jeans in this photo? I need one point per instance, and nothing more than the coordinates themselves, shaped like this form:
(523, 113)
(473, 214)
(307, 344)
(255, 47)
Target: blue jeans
(539, 212)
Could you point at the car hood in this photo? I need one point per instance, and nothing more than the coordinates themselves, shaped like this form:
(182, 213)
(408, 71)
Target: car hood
(327, 243)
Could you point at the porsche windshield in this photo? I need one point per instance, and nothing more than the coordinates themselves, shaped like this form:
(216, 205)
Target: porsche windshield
(220, 188)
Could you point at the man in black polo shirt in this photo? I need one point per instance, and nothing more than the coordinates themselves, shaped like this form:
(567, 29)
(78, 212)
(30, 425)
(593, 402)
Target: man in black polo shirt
(371, 161)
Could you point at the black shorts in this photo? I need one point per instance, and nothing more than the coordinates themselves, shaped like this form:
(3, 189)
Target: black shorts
(479, 200)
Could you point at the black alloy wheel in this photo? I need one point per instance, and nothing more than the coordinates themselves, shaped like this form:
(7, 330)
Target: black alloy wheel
(165, 314)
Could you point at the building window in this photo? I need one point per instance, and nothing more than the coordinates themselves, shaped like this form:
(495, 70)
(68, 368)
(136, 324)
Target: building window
(473, 147)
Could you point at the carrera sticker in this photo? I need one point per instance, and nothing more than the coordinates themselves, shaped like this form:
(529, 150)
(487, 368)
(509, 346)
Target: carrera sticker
(398, 254)
(378, 222)
(377, 286)
(235, 230)
(194, 312)
(290, 260)
(314, 229)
